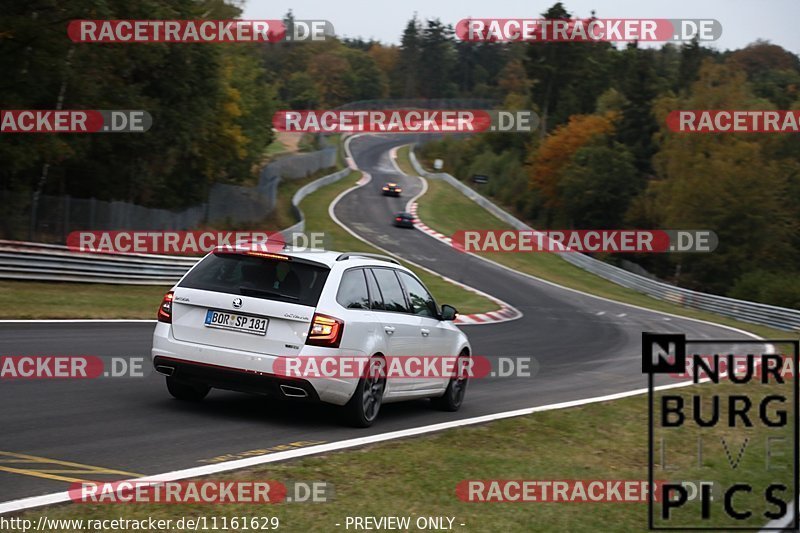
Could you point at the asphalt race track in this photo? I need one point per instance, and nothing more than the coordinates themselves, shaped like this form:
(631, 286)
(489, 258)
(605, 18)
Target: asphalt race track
(583, 347)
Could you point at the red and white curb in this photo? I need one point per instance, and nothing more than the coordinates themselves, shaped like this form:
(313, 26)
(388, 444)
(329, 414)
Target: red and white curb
(506, 312)
(412, 208)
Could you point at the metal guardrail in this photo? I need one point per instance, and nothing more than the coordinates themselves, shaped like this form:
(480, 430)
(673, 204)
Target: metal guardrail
(56, 216)
(304, 191)
(752, 312)
(53, 262)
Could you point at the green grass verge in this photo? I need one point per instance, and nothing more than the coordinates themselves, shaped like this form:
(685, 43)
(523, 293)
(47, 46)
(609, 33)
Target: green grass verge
(446, 210)
(38, 300)
(403, 160)
(315, 209)
(283, 214)
(418, 477)
(274, 149)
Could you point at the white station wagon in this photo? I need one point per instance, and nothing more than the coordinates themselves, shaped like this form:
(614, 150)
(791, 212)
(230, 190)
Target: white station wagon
(235, 317)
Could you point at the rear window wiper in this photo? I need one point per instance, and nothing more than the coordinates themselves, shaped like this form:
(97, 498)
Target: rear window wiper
(244, 290)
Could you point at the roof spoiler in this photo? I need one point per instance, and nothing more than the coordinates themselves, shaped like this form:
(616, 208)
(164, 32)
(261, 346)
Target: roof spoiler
(348, 255)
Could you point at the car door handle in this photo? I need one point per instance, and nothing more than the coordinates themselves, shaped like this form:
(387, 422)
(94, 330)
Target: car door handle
(388, 329)
(425, 332)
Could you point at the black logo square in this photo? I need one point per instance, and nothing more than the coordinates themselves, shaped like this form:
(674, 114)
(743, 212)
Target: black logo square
(669, 351)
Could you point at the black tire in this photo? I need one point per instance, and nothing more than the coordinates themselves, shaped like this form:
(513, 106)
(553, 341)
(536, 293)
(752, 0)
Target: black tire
(456, 389)
(186, 391)
(363, 408)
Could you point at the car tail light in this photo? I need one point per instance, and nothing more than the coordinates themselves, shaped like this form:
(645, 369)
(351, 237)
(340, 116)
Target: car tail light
(325, 331)
(399, 219)
(165, 309)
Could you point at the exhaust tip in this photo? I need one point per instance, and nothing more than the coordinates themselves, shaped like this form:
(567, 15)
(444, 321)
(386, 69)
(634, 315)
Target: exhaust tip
(166, 370)
(293, 392)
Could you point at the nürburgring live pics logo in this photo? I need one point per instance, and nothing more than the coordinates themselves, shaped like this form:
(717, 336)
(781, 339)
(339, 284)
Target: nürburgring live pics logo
(737, 432)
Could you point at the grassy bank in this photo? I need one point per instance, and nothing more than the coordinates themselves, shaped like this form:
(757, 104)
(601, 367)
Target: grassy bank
(38, 300)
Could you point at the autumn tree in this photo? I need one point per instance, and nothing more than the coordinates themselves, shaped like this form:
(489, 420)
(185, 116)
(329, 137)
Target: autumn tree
(598, 184)
(385, 58)
(208, 104)
(773, 72)
(722, 182)
(555, 152)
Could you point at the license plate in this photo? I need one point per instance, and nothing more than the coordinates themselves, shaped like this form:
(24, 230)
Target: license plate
(232, 321)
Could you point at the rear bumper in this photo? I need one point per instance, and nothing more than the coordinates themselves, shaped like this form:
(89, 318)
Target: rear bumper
(220, 377)
(236, 370)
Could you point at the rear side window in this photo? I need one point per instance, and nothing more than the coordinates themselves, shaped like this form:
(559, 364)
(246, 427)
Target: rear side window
(393, 299)
(270, 279)
(421, 301)
(375, 297)
(353, 290)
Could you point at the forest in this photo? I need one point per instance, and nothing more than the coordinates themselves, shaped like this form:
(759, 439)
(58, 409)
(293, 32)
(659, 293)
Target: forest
(602, 156)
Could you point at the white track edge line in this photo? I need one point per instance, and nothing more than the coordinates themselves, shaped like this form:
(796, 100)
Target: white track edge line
(64, 496)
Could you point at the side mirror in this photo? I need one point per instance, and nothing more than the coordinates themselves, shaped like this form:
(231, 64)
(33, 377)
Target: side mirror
(448, 312)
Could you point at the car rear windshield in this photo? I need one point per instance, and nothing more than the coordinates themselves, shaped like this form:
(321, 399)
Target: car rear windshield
(248, 275)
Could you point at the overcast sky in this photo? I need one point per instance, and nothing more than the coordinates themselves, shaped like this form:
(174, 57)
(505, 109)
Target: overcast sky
(742, 21)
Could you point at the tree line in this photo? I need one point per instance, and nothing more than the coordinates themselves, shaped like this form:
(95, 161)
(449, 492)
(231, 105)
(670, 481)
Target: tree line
(211, 104)
(601, 158)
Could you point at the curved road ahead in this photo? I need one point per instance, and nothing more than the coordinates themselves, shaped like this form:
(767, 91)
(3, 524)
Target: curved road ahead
(584, 347)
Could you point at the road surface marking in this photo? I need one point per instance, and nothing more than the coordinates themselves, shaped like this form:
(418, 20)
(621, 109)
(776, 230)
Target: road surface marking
(53, 473)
